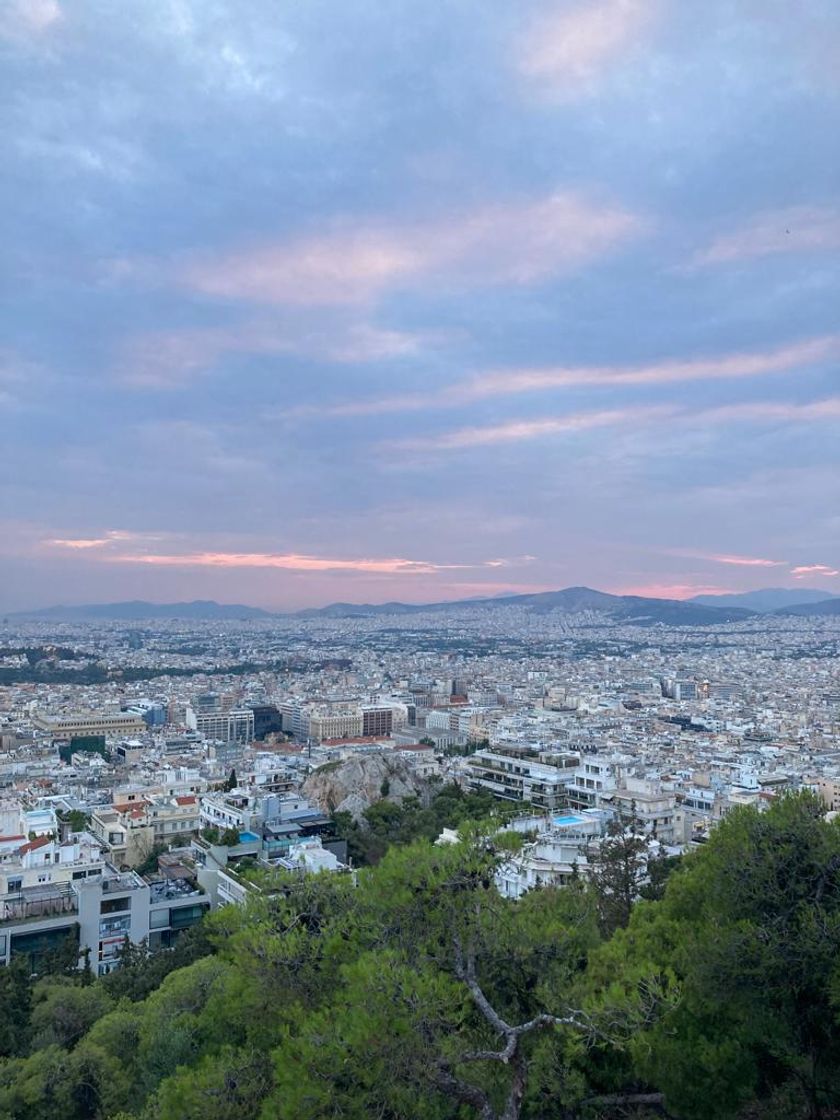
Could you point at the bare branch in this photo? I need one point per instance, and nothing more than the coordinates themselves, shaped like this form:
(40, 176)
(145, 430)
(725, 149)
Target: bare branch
(464, 1091)
(630, 1100)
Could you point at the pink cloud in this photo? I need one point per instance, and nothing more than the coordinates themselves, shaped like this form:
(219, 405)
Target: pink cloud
(566, 50)
(797, 229)
(673, 371)
(113, 536)
(293, 562)
(755, 562)
(724, 367)
(517, 243)
(517, 431)
(728, 558)
(288, 561)
(747, 561)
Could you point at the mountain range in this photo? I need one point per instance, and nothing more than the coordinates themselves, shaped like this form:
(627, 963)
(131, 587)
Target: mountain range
(767, 599)
(703, 610)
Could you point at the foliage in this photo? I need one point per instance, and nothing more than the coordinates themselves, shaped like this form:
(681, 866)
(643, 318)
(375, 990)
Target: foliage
(389, 822)
(77, 820)
(747, 934)
(414, 991)
(618, 867)
(63, 1011)
(149, 864)
(16, 1004)
(456, 750)
(141, 971)
(228, 837)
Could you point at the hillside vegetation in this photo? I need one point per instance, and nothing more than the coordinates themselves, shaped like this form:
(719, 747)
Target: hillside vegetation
(419, 993)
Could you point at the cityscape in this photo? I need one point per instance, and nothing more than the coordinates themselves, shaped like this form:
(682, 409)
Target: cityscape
(420, 560)
(570, 717)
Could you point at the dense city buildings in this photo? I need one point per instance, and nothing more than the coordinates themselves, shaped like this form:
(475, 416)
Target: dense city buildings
(129, 804)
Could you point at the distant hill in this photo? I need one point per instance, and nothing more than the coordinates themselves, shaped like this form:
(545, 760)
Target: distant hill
(827, 606)
(139, 610)
(767, 599)
(571, 600)
(636, 609)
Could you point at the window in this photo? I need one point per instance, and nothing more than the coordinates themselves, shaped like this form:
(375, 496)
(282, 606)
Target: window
(110, 926)
(163, 940)
(14, 885)
(114, 905)
(185, 916)
(158, 919)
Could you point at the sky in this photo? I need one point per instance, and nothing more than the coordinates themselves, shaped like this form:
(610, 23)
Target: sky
(308, 300)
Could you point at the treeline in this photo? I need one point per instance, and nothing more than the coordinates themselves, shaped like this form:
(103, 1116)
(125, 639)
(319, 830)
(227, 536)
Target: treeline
(417, 992)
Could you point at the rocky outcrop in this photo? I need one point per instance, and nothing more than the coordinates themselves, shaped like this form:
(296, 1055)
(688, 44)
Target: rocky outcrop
(355, 784)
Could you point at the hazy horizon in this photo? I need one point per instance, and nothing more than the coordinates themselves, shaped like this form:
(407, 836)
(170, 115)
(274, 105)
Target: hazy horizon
(280, 609)
(307, 304)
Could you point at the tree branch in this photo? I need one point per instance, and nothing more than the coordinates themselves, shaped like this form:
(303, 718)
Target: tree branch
(469, 1094)
(632, 1100)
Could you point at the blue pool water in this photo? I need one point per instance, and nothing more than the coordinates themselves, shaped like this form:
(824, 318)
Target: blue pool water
(246, 837)
(573, 819)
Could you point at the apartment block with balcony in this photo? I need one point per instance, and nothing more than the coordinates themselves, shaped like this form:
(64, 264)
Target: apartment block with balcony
(590, 782)
(653, 808)
(559, 852)
(96, 913)
(267, 827)
(130, 830)
(522, 773)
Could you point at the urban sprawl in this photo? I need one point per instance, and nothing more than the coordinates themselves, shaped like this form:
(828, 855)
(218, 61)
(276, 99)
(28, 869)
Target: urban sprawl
(144, 766)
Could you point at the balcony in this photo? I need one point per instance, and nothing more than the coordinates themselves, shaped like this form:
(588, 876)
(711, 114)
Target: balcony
(36, 903)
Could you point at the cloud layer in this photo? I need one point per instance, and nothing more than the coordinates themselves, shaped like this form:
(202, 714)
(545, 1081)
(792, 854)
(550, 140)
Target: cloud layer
(518, 243)
(316, 305)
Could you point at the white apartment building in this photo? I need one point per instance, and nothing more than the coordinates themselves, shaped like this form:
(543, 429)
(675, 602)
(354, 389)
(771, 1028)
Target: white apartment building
(591, 780)
(519, 774)
(95, 910)
(558, 853)
(235, 726)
